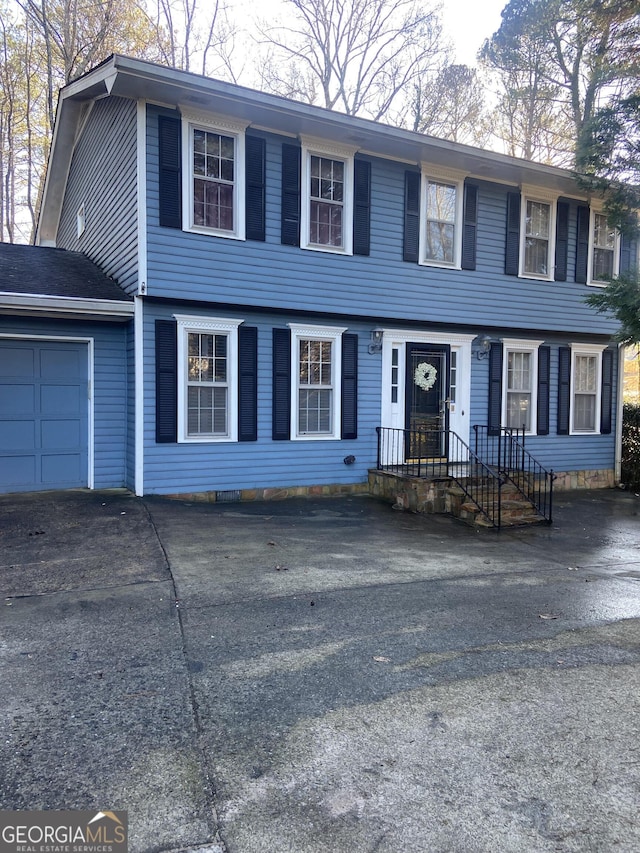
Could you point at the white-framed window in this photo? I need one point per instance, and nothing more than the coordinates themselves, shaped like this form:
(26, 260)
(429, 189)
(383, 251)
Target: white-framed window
(537, 235)
(213, 169)
(207, 379)
(520, 384)
(604, 250)
(326, 215)
(586, 378)
(316, 365)
(441, 205)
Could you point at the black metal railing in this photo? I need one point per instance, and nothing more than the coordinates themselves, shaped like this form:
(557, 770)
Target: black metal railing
(499, 449)
(410, 453)
(504, 451)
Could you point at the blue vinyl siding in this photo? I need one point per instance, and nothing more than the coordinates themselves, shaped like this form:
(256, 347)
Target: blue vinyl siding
(560, 452)
(103, 177)
(174, 468)
(245, 279)
(263, 463)
(202, 267)
(110, 388)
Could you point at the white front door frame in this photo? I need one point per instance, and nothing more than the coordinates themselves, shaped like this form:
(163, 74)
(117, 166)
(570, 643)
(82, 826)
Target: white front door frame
(393, 381)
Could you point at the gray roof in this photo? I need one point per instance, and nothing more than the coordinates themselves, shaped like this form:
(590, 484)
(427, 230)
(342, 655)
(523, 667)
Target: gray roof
(54, 272)
(121, 76)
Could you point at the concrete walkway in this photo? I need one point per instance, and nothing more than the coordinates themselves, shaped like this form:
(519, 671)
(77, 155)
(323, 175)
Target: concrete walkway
(323, 675)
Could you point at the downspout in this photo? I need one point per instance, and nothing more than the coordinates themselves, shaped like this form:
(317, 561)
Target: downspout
(141, 185)
(619, 415)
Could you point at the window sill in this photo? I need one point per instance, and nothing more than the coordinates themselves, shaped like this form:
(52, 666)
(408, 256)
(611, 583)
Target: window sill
(533, 277)
(311, 437)
(208, 439)
(213, 232)
(600, 284)
(440, 265)
(332, 250)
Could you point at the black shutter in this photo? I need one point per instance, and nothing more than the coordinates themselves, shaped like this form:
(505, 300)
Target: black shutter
(564, 389)
(362, 207)
(628, 254)
(582, 244)
(281, 405)
(255, 148)
(166, 381)
(169, 183)
(290, 212)
(469, 236)
(495, 389)
(606, 396)
(411, 216)
(544, 379)
(512, 245)
(247, 383)
(349, 394)
(562, 241)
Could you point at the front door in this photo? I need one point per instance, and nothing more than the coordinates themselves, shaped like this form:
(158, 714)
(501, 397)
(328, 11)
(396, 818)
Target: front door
(426, 401)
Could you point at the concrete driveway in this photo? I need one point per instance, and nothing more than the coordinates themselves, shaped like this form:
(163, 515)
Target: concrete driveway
(323, 675)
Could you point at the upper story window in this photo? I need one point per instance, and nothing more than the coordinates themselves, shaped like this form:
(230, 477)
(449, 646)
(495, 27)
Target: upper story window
(213, 170)
(537, 235)
(604, 250)
(316, 368)
(519, 384)
(441, 213)
(327, 197)
(207, 379)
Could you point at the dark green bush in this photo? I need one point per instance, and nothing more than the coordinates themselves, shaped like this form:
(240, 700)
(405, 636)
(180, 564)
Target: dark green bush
(631, 445)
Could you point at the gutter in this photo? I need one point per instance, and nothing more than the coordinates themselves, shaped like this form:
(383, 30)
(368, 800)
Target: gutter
(35, 303)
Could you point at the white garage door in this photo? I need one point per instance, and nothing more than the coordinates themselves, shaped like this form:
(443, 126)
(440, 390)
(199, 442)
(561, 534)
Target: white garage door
(44, 415)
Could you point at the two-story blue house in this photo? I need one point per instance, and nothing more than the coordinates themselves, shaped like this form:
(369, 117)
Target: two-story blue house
(301, 278)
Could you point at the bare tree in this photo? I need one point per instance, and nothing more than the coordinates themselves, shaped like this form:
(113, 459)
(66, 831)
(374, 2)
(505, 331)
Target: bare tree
(558, 61)
(195, 36)
(77, 34)
(358, 56)
(451, 106)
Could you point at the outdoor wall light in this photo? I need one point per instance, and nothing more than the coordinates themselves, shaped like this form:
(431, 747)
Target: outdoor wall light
(484, 347)
(375, 344)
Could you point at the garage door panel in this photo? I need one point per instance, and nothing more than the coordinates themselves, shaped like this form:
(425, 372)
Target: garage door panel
(62, 400)
(17, 435)
(60, 435)
(17, 361)
(44, 415)
(18, 471)
(61, 469)
(17, 400)
(55, 363)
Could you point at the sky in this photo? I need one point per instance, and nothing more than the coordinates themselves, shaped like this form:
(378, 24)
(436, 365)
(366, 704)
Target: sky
(468, 23)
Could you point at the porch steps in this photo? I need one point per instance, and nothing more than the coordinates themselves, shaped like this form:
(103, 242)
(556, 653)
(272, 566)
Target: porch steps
(516, 510)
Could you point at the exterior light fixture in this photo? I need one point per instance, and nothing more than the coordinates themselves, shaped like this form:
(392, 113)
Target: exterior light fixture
(375, 344)
(484, 347)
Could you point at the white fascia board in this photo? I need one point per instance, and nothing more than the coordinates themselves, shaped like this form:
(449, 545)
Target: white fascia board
(66, 305)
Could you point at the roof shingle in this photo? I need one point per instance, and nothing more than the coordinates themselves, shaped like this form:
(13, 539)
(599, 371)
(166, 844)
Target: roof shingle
(54, 272)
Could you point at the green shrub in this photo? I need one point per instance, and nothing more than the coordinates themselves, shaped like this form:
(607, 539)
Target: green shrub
(631, 445)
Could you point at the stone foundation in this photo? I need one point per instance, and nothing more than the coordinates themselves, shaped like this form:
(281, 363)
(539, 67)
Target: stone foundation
(276, 494)
(565, 481)
(410, 493)
(413, 494)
